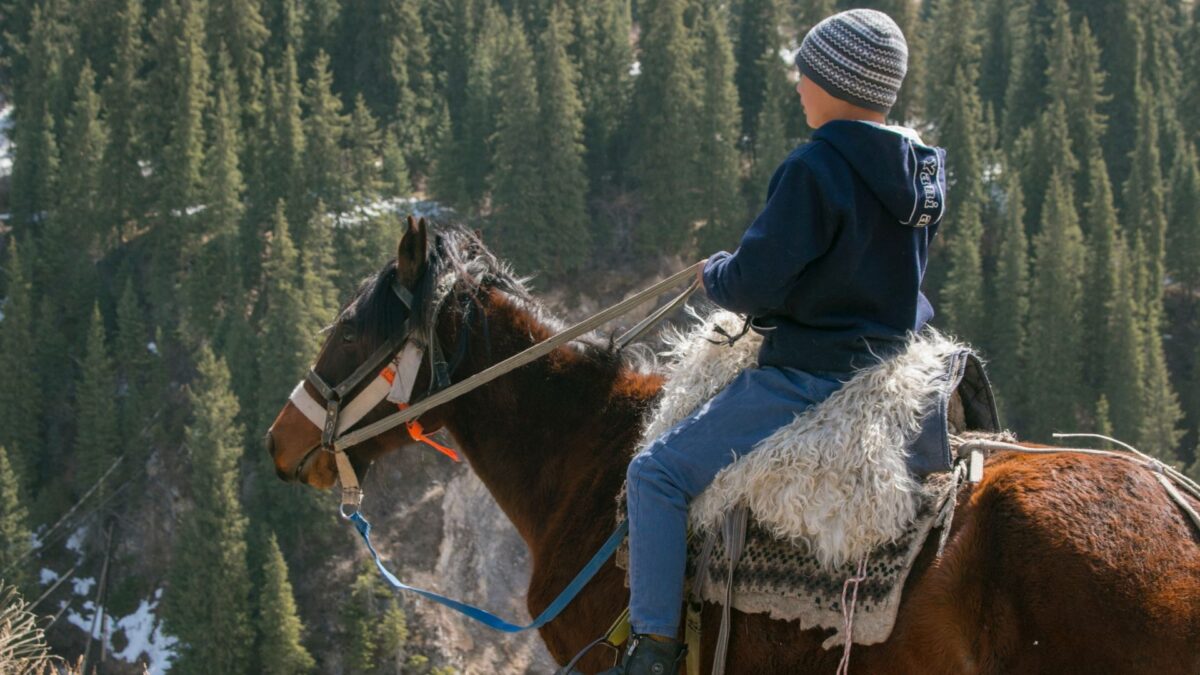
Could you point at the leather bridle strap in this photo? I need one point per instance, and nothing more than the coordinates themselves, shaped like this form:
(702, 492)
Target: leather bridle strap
(333, 395)
(517, 360)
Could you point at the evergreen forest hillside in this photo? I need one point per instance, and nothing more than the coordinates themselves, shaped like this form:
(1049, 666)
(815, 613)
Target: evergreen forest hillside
(189, 189)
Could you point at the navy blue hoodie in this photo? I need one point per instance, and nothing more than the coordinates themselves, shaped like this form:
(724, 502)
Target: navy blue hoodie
(830, 270)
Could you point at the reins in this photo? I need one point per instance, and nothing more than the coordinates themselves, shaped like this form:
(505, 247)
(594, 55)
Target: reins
(396, 363)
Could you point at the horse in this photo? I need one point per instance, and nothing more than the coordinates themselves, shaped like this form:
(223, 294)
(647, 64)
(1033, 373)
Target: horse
(1054, 563)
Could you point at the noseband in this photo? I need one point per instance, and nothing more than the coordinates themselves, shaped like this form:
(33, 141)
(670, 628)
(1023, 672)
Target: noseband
(394, 364)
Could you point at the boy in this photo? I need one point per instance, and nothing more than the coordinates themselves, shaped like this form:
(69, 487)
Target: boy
(829, 272)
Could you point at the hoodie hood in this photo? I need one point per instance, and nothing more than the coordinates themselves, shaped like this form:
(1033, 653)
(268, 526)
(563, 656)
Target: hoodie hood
(906, 175)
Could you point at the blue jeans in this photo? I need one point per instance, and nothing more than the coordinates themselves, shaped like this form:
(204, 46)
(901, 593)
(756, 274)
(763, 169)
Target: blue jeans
(677, 466)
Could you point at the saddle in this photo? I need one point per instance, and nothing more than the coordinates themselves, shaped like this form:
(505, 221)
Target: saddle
(851, 488)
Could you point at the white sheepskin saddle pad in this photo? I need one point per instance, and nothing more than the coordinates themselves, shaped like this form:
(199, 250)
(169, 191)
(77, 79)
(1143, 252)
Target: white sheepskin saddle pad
(826, 492)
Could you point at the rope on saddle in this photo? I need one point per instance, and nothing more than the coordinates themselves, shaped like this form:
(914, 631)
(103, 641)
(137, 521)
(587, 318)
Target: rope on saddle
(734, 534)
(848, 614)
(1171, 479)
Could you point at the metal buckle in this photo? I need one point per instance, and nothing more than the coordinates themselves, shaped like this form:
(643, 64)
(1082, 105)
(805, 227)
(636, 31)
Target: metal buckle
(332, 410)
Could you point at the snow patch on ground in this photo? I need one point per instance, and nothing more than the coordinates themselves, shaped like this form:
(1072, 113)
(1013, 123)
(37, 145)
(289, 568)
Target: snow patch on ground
(83, 586)
(6, 124)
(144, 636)
(75, 541)
(400, 206)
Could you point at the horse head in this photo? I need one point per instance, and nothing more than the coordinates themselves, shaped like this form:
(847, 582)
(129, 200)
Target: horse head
(394, 307)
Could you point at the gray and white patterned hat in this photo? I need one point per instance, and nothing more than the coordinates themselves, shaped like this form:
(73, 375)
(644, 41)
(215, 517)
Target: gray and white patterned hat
(859, 56)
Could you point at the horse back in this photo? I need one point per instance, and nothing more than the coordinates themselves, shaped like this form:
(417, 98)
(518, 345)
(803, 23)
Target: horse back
(1056, 563)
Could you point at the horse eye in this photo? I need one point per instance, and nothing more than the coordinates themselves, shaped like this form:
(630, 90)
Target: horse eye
(348, 336)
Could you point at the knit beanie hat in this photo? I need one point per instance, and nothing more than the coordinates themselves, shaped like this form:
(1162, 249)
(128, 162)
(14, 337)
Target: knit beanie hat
(858, 56)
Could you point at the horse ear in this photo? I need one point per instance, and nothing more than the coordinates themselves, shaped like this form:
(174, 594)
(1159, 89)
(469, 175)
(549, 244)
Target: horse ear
(410, 253)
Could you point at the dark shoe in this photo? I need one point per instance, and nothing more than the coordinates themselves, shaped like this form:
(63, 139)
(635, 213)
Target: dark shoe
(645, 656)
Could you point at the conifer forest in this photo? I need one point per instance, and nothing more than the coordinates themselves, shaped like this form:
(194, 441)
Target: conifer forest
(189, 189)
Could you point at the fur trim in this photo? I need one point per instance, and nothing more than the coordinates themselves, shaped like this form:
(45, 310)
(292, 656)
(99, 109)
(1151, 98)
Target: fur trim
(835, 479)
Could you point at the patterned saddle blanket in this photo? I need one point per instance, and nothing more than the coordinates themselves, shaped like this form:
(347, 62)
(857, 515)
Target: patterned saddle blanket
(856, 482)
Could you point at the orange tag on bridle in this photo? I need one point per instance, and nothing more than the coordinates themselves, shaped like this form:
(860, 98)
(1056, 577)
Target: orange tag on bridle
(415, 430)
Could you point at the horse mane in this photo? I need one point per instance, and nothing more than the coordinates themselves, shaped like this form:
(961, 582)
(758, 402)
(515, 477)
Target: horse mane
(459, 257)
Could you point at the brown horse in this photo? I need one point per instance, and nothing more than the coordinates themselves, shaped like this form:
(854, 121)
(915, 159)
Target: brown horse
(1054, 564)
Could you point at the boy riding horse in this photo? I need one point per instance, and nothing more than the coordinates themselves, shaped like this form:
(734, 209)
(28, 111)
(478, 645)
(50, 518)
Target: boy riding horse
(829, 273)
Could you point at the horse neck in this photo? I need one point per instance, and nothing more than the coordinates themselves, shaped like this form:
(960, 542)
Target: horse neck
(550, 440)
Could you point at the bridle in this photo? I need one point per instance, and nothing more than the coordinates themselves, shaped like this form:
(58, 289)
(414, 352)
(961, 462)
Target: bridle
(394, 365)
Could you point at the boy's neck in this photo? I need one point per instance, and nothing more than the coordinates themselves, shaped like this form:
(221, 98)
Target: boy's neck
(860, 115)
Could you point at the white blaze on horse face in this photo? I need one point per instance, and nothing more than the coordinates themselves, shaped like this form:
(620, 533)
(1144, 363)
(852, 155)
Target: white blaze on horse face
(407, 365)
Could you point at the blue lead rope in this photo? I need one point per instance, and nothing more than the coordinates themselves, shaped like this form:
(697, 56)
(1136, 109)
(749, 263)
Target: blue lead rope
(487, 618)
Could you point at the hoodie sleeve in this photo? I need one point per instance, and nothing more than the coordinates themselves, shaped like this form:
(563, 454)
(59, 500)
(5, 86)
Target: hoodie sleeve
(793, 229)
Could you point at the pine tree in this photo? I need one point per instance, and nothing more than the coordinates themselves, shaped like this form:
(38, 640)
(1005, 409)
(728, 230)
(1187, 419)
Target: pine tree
(362, 247)
(238, 26)
(122, 181)
(213, 260)
(465, 164)
(1189, 103)
(1103, 278)
(1124, 358)
(375, 624)
(717, 171)
(55, 390)
(1052, 141)
(20, 393)
(287, 151)
(1120, 30)
(1183, 218)
(324, 129)
(666, 98)
(139, 373)
(179, 165)
(1159, 432)
(907, 15)
(418, 118)
(279, 628)
(1004, 51)
(319, 269)
(184, 155)
(363, 155)
(957, 47)
(288, 340)
(962, 292)
(605, 85)
(1160, 58)
(384, 55)
(1101, 418)
(15, 536)
(1145, 208)
(517, 174)
(565, 243)
(1087, 123)
(35, 164)
(757, 53)
(1008, 309)
(320, 23)
(98, 441)
(771, 144)
(207, 603)
(1055, 366)
(394, 180)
